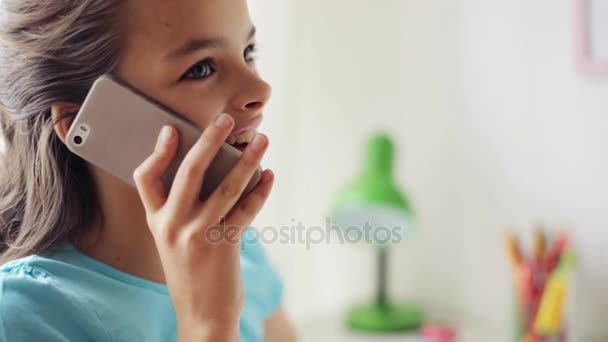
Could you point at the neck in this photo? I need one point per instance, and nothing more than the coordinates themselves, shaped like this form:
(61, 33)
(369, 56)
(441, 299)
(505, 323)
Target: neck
(120, 236)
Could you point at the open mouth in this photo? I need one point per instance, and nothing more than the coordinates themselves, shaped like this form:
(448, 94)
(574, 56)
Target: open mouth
(241, 140)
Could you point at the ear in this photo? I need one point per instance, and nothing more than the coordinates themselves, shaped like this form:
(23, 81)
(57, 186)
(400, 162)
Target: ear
(61, 110)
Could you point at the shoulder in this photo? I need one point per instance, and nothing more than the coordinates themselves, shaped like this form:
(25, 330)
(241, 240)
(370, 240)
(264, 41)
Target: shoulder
(37, 306)
(262, 282)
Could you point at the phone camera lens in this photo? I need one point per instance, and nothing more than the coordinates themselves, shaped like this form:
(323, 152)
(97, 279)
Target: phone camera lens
(78, 140)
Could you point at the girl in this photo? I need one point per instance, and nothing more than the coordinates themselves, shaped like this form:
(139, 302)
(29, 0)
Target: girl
(88, 258)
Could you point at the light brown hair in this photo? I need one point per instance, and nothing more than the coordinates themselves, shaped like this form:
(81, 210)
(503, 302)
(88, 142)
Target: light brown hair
(50, 50)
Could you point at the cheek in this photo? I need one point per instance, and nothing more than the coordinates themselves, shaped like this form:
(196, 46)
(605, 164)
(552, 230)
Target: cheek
(201, 107)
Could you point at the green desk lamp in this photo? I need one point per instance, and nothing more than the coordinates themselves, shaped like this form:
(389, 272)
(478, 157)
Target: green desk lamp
(374, 200)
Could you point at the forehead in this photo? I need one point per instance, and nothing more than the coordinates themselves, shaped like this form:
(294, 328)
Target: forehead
(167, 24)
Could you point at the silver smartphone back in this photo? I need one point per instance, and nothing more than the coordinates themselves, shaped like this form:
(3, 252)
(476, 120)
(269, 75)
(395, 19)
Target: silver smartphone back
(117, 128)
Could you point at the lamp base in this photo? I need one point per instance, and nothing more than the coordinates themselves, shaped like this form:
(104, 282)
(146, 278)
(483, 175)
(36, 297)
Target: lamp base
(385, 318)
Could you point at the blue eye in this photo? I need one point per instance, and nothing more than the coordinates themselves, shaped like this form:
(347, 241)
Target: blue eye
(249, 53)
(199, 71)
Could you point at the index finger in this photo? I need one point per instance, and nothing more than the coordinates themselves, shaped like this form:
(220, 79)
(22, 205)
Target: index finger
(189, 178)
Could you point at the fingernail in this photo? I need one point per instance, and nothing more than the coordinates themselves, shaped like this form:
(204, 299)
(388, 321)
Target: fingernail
(223, 121)
(166, 134)
(268, 175)
(258, 142)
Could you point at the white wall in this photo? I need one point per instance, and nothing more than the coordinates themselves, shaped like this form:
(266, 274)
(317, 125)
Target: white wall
(533, 132)
(357, 67)
(495, 127)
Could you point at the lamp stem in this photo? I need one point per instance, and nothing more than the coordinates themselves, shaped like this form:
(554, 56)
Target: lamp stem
(382, 277)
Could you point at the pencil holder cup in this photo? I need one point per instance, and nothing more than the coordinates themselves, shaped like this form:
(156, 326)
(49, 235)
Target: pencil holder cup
(535, 321)
(541, 283)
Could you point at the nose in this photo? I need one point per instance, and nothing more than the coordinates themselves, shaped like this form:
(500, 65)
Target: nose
(253, 92)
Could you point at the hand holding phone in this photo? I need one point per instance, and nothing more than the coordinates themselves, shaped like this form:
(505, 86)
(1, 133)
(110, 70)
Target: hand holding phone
(202, 268)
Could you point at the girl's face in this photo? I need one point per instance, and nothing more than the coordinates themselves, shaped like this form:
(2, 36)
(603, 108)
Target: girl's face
(197, 57)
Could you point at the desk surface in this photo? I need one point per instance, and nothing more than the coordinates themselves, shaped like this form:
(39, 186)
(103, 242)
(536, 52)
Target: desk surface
(332, 329)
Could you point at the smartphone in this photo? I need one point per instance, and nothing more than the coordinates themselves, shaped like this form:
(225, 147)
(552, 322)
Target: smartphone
(117, 127)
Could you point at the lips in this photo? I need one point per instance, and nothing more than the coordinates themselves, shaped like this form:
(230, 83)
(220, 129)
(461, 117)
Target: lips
(244, 133)
(241, 138)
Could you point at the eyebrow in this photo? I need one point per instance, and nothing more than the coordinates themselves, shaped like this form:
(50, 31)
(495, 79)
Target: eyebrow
(198, 44)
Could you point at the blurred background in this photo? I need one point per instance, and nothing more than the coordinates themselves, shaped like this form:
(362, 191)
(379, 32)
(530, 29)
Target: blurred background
(496, 128)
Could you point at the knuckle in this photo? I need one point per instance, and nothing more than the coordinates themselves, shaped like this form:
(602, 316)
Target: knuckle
(158, 154)
(249, 208)
(249, 162)
(192, 171)
(192, 238)
(214, 135)
(168, 235)
(139, 174)
(228, 190)
(167, 231)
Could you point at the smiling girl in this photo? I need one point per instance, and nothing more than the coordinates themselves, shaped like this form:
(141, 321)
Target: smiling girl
(88, 258)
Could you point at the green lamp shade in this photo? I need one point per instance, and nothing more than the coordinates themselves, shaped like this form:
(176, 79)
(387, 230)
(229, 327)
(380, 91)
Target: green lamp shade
(374, 199)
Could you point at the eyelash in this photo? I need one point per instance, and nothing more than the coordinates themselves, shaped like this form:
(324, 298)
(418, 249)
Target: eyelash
(208, 69)
(252, 49)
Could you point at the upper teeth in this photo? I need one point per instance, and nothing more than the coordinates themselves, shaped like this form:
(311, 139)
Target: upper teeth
(241, 138)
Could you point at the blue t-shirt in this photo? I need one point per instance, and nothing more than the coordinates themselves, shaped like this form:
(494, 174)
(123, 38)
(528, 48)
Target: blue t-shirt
(65, 295)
